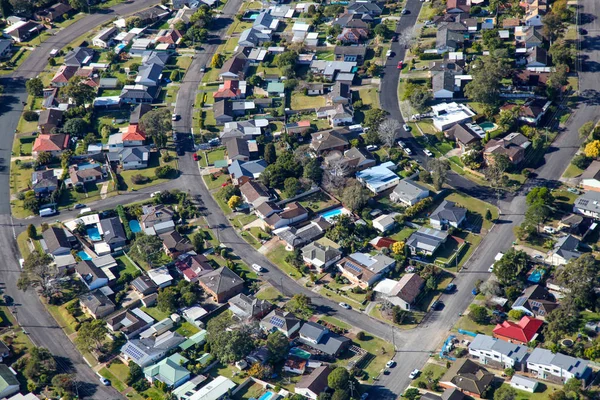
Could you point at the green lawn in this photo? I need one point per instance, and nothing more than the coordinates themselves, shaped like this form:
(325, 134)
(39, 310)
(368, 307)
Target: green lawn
(300, 101)
(63, 318)
(215, 155)
(403, 234)
(270, 293)
(241, 220)
(318, 201)
(186, 329)
(476, 207)
(381, 350)
(125, 265)
(369, 97)
(277, 256)
(437, 371)
(543, 392)
(467, 324)
(253, 391)
(215, 183)
(572, 171)
(336, 322)
(150, 173)
(155, 313)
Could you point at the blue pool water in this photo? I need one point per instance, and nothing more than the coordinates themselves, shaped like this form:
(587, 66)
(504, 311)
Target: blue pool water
(536, 276)
(83, 255)
(266, 396)
(94, 234)
(135, 227)
(487, 126)
(300, 353)
(329, 215)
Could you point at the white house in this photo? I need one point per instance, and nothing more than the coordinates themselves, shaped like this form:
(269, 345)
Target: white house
(379, 178)
(523, 383)
(557, 367)
(161, 277)
(384, 223)
(104, 39)
(447, 114)
(497, 353)
(408, 193)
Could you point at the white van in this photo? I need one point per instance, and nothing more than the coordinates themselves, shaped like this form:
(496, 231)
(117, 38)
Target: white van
(46, 212)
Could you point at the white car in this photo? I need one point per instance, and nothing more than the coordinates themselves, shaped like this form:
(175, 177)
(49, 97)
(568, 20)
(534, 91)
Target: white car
(407, 127)
(404, 11)
(154, 194)
(549, 229)
(401, 144)
(388, 54)
(104, 381)
(257, 268)
(344, 305)
(491, 268)
(407, 151)
(414, 373)
(390, 364)
(372, 147)
(428, 153)
(174, 117)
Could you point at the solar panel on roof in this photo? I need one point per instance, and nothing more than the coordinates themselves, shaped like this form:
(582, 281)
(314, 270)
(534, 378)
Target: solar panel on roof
(353, 267)
(278, 322)
(584, 202)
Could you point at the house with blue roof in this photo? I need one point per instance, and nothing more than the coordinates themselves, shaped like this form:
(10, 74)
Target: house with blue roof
(379, 178)
(243, 171)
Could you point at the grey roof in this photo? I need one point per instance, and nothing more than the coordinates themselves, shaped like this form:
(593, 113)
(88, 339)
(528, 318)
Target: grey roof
(253, 37)
(55, 238)
(359, 50)
(299, 236)
(427, 239)
(448, 211)
(339, 91)
(237, 147)
(150, 72)
(223, 108)
(112, 230)
(575, 366)
(250, 305)
(155, 57)
(409, 190)
(97, 303)
(517, 352)
(263, 20)
(443, 81)
(329, 343)
(144, 284)
(142, 350)
(285, 320)
(318, 251)
(312, 330)
(523, 381)
(138, 112)
(588, 201)
(448, 38)
(7, 376)
(79, 56)
(43, 179)
(246, 168)
(316, 382)
(359, 7)
(89, 271)
(567, 247)
(130, 154)
(139, 92)
(4, 44)
(221, 280)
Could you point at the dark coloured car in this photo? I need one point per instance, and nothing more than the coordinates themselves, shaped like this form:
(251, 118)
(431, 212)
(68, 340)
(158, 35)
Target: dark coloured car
(9, 301)
(180, 151)
(450, 288)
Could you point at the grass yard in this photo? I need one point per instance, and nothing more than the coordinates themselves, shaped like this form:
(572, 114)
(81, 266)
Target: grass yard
(253, 391)
(155, 313)
(336, 322)
(155, 161)
(251, 239)
(403, 234)
(369, 97)
(467, 324)
(300, 101)
(572, 171)
(65, 320)
(215, 183)
(381, 350)
(215, 155)
(338, 298)
(241, 220)
(270, 293)
(125, 266)
(542, 392)
(416, 318)
(277, 256)
(437, 370)
(318, 201)
(476, 207)
(186, 329)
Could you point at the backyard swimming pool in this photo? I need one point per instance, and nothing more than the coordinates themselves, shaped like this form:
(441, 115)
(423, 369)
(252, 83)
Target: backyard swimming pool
(94, 234)
(300, 353)
(269, 396)
(329, 215)
(84, 256)
(488, 126)
(134, 225)
(536, 275)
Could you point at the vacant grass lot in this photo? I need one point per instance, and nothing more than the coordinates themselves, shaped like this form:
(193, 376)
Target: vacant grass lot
(300, 101)
(277, 256)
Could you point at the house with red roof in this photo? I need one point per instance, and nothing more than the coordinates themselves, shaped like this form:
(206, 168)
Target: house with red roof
(382, 242)
(53, 144)
(523, 332)
(62, 76)
(133, 136)
(230, 90)
(171, 36)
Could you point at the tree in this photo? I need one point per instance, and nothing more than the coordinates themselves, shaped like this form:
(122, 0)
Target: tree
(133, 22)
(217, 61)
(34, 87)
(291, 186)
(374, 117)
(157, 123)
(488, 215)
(557, 79)
(38, 365)
(411, 394)
(31, 202)
(313, 171)
(573, 385)
(338, 378)
(586, 130)
(78, 91)
(540, 195)
(562, 53)
(299, 303)
(592, 149)
(227, 345)
(512, 264)
(382, 30)
(478, 314)
(505, 392)
(196, 34)
(431, 283)
(355, 196)
(63, 383)
(277, 345)
(515, 314)
(536, 214)
(31, 231)
(79, 5)
(490, 288)
(485, 85)
(164, 171)
(5, 8)
(75, 127)
(552, 26)
(22, 8)
(419, 97)
(234, 202)
(389, 130)
(398, 247)
(491, 39)
(146, 249)
(91, 335)
(580, 276)
(168, 299)
(270, 155)
(507, 118)
(439, 172)
(135, 373)
(341, 394)
(40, 271)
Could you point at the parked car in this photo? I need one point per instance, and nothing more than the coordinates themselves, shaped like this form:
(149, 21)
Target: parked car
(404, 11)
(79, 205)
(428, 153)
(491, 268)
(400, 64)
(203, 68)
(450, 288)
(395, 38)
(414, 373)
(389, 54)
(549, 229)
(474, 291)
(257, 268)
(407, 151)
(401, 144)
(390, 364)
(372, 147)
(174, 117)
(573, 190)
(407, 127)
(364, 396)
(154, 194)
(104, 381)
(344, 305)
(435, 305)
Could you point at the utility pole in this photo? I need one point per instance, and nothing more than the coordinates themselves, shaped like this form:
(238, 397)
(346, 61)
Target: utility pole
(393, 339)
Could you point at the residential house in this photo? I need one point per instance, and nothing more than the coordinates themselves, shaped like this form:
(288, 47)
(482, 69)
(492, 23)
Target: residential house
(364, 269)
(300, 127)
(468, 377)
(535, 301)
(365, 7)
(590, 178)
(54, 13)
(217, 389)
(79, 57)
(9, 384)
(137, 94)
(222, 284)
(310, 386)
(157, 219)
(230, 89)
(295, 365)
(155, 57)
(529, 36)
(326, 141)
(449, 394)
(522, 332)
(497, 353)
(339, 93)
(53, 144)
(350, 53)
(249, 307)
(104, 38)
(408, 192)
(353, 35)
(144, 285)
(171, 37)
(402, 293)
(537, 57)
(380, 243)
(130, 323)
(5, 48)
(193, 266)
(253, 37)
(443, 85)
(149, 75)
(243, 171)
(531, 112)
(354, 20)
(379, 178)
(171, 371)
(445, 115)
(237, 149)
(90, 275)
(49, 120)
(56, 242)
(138, 112)
(533, 17)
(448, 40)
(133, 136)
(574, 223)
(448, 214)
(337, 114)
(22, 31)
(174, 244)
(276, 89)
(113, 233)
(384, 222)
(296, 237)
(44, 182)
(426, 241)
(291, 214)
(521, 382)
(557, 367)
(254, 193)
(565, 250)
(282, 321)
(97, 304)
(350, 161)
(130, 157)
(147, 351)
(320, 256)
(588, 204)
(458, 6)
(266, 209)
(235, 68)
(152, 15)
(223, 112)
(265, 22)
(321, 339)
(329, 69)
(161, 276)
(79, 175)
(513, 146)
(465, 134)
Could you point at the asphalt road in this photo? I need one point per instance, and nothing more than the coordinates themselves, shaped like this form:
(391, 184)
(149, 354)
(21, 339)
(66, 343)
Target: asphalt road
(30, 313)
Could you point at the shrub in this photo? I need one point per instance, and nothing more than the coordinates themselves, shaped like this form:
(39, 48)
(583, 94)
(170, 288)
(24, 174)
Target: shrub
(139, 179)
(164, 171)
(30, 116)
(360, 335)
